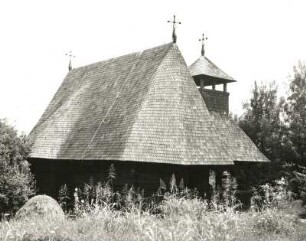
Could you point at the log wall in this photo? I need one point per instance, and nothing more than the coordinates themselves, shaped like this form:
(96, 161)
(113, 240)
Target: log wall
(52, 174)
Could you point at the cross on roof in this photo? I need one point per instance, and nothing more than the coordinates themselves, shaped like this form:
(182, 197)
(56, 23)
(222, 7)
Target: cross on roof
(70, 55)
(174, 22)
(203, 43)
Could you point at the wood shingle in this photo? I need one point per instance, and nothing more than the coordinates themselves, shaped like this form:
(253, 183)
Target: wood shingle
(141, 107)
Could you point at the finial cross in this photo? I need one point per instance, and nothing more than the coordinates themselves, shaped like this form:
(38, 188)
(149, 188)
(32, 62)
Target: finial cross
(70, 55)
(203, 43)
(174, 22)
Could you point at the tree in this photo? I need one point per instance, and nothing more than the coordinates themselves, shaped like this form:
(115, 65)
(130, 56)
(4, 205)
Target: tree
(296, 114)
(16, 180)
(296, 136)
(262, 122)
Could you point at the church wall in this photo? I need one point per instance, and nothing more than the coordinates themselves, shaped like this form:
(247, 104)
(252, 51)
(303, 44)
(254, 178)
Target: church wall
(52, 174)
(216, 100)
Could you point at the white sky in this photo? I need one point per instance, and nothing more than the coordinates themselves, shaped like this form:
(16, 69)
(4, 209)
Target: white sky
(249, 40)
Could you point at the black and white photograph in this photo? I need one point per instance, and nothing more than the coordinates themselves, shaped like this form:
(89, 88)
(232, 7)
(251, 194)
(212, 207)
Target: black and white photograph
(153, 120)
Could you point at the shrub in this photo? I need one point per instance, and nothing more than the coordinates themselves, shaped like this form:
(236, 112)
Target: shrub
(298, 182)
(16, 181)
(273, 221)
(272, 196)
(63, 197)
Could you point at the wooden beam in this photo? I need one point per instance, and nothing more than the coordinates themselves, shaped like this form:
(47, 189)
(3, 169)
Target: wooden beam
(225, 87)
(201, 84)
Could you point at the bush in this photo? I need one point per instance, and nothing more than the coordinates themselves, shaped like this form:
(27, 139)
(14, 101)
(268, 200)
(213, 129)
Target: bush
(274, 221)
(16, 181)
(298, 182)
(276, 196)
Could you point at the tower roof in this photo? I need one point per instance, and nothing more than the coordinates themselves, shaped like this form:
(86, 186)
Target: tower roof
(204, 68)
(141, 107)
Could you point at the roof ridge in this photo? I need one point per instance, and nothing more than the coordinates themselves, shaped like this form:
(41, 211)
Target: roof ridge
(146, 97)
(183, 152)
(216, 66)
(143, 107)
(92, 65)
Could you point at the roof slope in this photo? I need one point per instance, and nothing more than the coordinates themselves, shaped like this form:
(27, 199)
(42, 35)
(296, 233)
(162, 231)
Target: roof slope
(102, 96)
(241, 147)
(139, 107)
(203, 66)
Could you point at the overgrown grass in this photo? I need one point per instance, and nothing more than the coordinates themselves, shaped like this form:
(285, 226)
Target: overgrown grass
(101, 214)
(180, 219)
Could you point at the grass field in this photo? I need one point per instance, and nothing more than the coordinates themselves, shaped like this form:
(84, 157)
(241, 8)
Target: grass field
(178, 218)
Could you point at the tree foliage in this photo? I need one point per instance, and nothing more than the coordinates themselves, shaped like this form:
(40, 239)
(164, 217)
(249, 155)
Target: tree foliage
(295, 109)
(262, 120)
(16, 181)
(278, 128)
(296, 114)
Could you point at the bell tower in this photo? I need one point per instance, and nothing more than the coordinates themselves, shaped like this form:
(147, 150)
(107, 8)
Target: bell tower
(207, 76)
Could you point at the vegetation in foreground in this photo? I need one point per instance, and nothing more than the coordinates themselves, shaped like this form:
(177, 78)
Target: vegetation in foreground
(101, 214)
(192, 222)
(16, 180)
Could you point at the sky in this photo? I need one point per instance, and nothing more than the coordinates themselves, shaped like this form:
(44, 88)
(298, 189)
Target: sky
(249, 40)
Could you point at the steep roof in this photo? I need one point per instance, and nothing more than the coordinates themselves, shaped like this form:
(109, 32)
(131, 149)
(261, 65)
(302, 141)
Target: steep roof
(241, 147)
(204, 67)
(139, 107)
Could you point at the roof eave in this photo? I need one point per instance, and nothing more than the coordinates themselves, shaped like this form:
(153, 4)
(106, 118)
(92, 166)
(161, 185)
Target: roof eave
(210, 80)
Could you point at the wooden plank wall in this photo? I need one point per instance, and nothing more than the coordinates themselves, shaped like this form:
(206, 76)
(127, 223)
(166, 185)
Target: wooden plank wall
(52, 174)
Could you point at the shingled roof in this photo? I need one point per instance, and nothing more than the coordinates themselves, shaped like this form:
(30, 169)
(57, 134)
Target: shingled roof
(141, 107)
(240, 146)
(203, 67)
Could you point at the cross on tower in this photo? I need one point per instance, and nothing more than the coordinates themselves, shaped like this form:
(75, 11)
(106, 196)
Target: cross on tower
(203, 43)
(174, 37)
(70, 57)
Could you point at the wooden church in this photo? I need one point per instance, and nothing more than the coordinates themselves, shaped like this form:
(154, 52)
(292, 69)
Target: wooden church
(147, 113)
